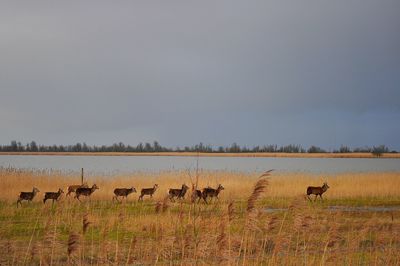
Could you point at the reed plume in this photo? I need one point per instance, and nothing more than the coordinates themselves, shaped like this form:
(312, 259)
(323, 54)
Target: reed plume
(85, 223)
(163, 205)
(73, 243)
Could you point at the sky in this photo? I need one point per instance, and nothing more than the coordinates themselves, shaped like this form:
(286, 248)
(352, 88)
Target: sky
(323, 73)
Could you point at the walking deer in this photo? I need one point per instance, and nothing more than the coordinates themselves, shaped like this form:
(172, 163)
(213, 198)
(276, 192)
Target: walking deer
(27, 196)
(178, 193)
(52, 195)
(211, 192)
(123, 192)
(73, 188)
(317, 191)
(85, 191)
(148, 191)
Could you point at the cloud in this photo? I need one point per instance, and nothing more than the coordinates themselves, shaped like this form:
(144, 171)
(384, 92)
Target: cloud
(215, 72)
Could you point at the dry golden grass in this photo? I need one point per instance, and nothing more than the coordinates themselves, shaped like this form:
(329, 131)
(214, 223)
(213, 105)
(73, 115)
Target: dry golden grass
(227, 232)
(237, 185)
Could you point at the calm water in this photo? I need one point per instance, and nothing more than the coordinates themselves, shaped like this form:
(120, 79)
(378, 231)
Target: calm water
(129, 164)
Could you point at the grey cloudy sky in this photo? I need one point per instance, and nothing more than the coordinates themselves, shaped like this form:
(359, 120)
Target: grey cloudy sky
(180, 72)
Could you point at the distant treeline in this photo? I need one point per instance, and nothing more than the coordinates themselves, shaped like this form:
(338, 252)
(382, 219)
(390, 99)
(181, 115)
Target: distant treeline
(156, 147)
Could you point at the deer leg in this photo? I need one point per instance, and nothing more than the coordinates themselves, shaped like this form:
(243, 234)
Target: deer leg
(315, 197)
(320, 195)
(204, 198)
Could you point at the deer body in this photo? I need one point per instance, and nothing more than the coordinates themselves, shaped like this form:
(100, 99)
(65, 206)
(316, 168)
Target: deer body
(197, 195)
(73, 188)
(53, 195)
(317, 191)
(123, 192)
(148, 191)
(176, 192)
(27, 196)
(85, 191)
(211, 192)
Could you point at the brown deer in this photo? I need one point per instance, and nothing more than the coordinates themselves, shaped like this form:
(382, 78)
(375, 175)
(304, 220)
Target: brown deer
(176, 192)
(148, 191)
(52, 195)
(123, 192)
(85, 191)
(317, 191)
(27, 196)
(73, 188)
(196, 194)
(211, 192)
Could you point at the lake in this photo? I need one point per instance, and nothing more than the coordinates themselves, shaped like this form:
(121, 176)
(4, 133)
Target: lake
(108, 165)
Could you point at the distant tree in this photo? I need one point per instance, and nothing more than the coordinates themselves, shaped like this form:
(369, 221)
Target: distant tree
(14, 146)
(33, 146)
(77, 147)
(85, 147)
(234, 148)
(379, 150)
(291, 148)
(344, 149)
(157, 147)
(147, 147)
(315, 149)
(140, 147)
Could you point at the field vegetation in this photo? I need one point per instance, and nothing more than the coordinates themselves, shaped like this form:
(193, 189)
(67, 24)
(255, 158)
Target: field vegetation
(257, 220)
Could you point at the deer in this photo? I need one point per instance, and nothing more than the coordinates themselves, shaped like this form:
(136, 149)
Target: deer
(148, 191)
(176, 192)
(317, 191)
(52, 195)
(123, 192)
(27, 196)
(211, 192)
(196, 194)
(85, 191)
(73, 188)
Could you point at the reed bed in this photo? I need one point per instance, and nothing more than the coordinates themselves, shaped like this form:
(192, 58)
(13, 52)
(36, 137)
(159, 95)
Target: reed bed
(235, 230)
(238, 185)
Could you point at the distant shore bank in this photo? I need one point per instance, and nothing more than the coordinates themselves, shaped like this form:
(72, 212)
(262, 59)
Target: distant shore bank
(214, 154)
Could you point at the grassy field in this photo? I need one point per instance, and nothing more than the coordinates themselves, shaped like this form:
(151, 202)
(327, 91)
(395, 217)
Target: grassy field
(256, 221)
(215, 154)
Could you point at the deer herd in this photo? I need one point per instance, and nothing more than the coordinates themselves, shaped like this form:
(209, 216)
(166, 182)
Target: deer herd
(85, 190)
(178, 193)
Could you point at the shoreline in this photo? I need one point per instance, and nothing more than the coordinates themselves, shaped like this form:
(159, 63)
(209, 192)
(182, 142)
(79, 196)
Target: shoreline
(195, 154)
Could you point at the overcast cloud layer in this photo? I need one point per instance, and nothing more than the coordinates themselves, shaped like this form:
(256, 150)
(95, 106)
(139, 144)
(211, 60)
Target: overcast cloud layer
(253, 72)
